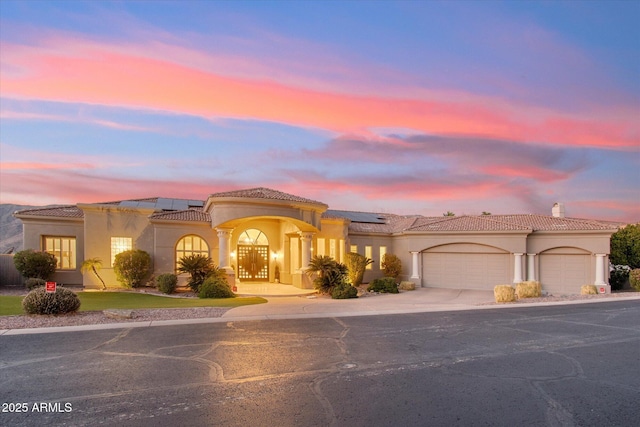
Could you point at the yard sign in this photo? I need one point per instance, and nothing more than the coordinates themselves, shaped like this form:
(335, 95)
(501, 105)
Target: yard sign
(50, 286)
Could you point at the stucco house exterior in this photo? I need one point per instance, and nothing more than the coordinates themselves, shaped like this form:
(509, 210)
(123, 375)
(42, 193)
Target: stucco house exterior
(261, 234)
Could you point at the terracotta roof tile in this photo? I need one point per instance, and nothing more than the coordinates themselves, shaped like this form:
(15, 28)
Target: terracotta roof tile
(466, 223)
(551, 223)
(263, 193)
(190, 215)
(68, 211)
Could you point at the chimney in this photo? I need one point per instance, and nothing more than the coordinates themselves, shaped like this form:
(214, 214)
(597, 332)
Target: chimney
(558, 210)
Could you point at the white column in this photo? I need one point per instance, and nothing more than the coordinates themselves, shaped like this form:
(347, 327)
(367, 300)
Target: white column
(517, 268)
(531, 267)
(224, 245)
(600, 269)
(414, 265)
(305, 238)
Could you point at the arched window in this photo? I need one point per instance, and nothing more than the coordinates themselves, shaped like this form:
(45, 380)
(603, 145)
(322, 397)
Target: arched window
(191, 245)
(253, 236)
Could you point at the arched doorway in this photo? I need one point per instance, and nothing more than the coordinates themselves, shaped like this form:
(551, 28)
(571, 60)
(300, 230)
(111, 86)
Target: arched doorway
(253, 256)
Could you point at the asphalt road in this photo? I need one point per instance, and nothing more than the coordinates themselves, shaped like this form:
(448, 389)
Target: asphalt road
(543, 366)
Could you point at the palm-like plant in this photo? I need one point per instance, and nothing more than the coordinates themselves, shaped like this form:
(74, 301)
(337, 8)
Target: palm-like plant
(93, 264)
(330, 273)
(199, 267)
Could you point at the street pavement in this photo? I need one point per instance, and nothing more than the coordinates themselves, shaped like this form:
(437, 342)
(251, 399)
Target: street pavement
(542, 365)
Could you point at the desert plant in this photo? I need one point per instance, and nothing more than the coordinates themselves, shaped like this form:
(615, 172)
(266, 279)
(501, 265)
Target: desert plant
(391, 266)
(384, 284)
(618, 276)
(344, 291)
(33, 282)
(528, 289)
(356, 265)
(215, 287)
(634, 279)
(588, 290)
(504, 293)
(167, 283)
(93, 264)
(39, 301)
(199, 267)
(30, 263)
(131, 267)
(330, 272)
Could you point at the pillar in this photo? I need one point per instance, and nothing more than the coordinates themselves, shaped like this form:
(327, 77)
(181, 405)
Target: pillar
(224, 245)
(531, 267)
(600, 269)
(305, 238)
(517, 268)
(414, 265)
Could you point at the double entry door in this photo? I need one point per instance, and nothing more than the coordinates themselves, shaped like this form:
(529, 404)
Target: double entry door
(253, 262)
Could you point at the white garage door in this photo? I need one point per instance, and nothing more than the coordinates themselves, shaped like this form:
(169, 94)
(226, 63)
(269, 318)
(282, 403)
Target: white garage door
(466, 270)
(564, 273)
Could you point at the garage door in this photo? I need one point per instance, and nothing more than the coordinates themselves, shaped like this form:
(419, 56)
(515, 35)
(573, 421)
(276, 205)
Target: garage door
(466, 270)
(564, 273)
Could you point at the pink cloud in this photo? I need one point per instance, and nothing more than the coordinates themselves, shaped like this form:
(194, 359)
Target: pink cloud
(94, 73)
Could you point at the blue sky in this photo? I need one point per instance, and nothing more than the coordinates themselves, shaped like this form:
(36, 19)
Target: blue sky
(403, 107)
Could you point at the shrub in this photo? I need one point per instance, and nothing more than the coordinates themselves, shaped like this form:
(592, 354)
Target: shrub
(30, 263)
(199, 267)
(407, 286)
(34, 282)
(215, 287)
(356, 264)
(131, 267)
(504, 293)
(618, 276)
(62, 301)
(167, 283)
(634, 279)
(528, 289)
(344, 291)
(330, 272)
(384, 284)
(391, 266)
(588, 290)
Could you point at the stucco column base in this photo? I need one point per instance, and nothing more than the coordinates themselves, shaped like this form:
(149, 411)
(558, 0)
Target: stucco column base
(300, 279)
(231, 276)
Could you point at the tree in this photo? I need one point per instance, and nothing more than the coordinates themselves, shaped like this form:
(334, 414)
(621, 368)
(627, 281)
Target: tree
(93, 264)
(486, 213)
(625, 246)
(132, 267)
(33, 264)
(449, 213)
(356, 264)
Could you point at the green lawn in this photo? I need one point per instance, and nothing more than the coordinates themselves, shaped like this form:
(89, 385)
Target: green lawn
(96, 301)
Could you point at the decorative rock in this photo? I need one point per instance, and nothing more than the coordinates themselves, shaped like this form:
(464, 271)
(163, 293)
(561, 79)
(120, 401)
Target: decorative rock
(118, 314)
(407, 286)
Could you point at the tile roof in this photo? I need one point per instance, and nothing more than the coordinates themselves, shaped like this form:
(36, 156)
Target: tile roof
(67, 211)
(466, 223)
(190, 215)
(264, 193)
(550, 223)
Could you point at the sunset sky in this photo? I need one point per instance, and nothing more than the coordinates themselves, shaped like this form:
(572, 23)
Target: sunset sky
(403, 107)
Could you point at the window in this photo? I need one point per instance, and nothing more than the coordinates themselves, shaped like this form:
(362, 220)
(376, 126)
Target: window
(383, 252)
(191, 245)
(368, 254)
(332, 249)
(119, 245)
(321, 247)
(354, 249)
(64, 249)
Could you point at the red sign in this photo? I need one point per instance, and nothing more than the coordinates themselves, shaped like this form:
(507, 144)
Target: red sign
(602, 290)
(50, 287)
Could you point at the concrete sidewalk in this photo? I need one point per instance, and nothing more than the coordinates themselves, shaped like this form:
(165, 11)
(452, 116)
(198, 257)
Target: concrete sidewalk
(311, 306)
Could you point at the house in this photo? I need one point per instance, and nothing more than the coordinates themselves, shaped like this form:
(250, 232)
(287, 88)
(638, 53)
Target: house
(258, 233)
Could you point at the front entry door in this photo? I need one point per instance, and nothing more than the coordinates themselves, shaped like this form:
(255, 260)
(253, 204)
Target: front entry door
(253, 262)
